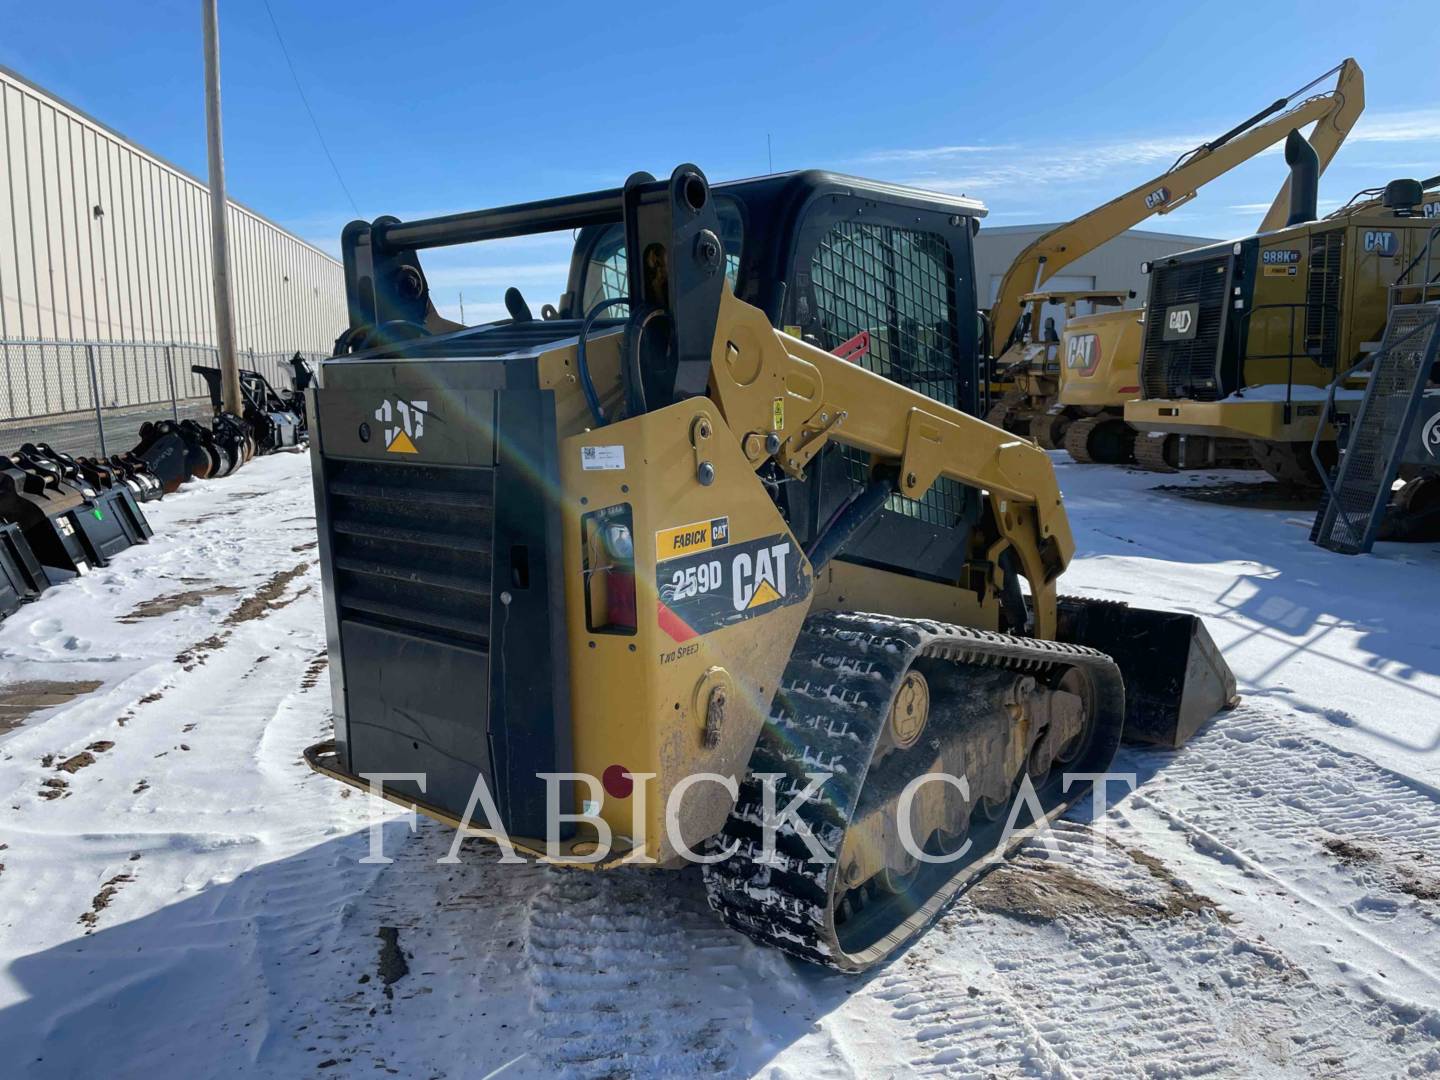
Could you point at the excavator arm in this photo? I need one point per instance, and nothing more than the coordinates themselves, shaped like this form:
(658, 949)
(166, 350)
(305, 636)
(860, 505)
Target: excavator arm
(1333, 113)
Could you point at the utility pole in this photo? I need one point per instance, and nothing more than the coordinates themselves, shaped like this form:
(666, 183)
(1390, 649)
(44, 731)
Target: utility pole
(219, 207)
(462, 306)
(769, 154)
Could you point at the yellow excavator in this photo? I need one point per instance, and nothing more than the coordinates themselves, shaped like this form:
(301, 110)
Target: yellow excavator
(1243, 339)
(648, 579)
(1029, 378)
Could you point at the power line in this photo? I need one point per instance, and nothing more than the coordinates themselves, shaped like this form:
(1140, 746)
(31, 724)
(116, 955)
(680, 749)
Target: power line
(309, 112)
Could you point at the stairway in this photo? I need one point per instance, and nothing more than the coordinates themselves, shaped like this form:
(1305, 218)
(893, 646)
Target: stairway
(1350, 517)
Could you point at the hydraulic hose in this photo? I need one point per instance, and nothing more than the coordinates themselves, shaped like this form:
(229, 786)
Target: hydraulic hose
(587, 384)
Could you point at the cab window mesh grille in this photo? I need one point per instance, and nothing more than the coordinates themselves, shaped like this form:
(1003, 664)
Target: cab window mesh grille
(898, 286)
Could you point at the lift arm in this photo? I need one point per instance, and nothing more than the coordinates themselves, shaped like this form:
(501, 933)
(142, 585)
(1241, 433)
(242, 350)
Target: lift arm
(1333, 113)
(785, 398)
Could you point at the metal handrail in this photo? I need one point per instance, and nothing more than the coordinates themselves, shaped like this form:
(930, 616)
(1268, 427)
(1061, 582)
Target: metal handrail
(1329, 415)
(1428, 279)
(1241, 327)
(1326, 416)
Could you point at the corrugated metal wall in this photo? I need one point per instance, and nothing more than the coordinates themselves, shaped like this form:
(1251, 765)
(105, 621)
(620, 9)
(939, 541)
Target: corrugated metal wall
(102, 241)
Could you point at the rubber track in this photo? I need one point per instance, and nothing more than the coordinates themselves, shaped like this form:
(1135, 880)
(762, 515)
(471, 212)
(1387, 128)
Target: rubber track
(834, 697)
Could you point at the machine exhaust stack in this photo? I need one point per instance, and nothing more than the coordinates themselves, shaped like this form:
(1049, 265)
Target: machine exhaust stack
(1304, 179)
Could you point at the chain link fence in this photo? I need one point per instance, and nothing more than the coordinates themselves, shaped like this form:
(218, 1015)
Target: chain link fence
(90, 397)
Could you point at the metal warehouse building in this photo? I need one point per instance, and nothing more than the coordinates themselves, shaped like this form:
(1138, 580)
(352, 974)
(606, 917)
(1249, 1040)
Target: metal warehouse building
(105, 282)
(1113, 266)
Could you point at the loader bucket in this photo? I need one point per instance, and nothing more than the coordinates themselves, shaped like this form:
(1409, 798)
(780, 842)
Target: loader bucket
(1175, 677)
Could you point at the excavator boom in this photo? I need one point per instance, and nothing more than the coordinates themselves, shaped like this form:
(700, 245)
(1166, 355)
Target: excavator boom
(1333, 113)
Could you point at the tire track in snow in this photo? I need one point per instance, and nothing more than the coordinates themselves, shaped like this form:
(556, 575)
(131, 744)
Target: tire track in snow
(1088, 983)
(617, 961)
(1259, 800)
(1252, 793)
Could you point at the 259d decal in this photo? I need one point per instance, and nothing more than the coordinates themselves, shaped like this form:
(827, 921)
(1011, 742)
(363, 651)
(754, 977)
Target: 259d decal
(710, 589)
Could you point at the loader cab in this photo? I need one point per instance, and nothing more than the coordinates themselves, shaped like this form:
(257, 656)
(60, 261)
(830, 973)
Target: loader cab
(838, 261)
(880, 274)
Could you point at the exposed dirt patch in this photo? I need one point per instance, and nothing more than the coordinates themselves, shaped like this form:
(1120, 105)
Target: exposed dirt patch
(143, 785)
(101, 745)
(315, 670)
(1406, 874)
(266, 598)
(1347, 852)
(195, 655)
(311, 546)
(53, 787)
(1267, 495)
(102, 899)
(392, 966)
(1180, 898)
(164, 605)
(1040, 891)
(72, 765)
(19, 699)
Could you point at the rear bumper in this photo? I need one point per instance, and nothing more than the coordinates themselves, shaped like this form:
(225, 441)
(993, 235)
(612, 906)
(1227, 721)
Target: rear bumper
(1263, 420)
(325, 759)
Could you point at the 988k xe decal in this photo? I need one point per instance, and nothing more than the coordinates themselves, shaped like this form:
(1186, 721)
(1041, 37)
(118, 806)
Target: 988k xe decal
(710, 589)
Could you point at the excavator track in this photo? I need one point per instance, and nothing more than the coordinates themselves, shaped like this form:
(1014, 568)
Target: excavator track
(835, 714)
(1151, 453)
(1291, 463)
(1088, 444)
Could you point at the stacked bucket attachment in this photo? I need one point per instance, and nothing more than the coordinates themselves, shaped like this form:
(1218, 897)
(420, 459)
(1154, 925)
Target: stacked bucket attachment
(61, 515)
(21, 578)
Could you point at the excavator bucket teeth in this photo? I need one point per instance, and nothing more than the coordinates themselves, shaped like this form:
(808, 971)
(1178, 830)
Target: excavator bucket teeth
(1175, 677)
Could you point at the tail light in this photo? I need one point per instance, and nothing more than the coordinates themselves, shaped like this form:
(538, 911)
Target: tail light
(609, 543)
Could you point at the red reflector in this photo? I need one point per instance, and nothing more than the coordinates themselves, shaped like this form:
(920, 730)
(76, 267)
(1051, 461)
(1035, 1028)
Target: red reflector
(1129, 389)
(620, 598)
(617, 784)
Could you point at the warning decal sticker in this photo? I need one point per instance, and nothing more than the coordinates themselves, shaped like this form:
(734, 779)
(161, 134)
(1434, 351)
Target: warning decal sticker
(709, 589)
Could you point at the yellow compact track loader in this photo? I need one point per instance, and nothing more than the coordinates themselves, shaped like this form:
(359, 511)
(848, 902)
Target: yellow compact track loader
(649, 579)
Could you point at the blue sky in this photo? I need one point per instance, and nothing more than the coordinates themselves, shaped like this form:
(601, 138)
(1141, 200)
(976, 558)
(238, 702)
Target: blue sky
(1041, 110)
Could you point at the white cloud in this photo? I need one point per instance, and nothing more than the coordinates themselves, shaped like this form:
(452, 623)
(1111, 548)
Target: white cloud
(931, 153)
(1034, 165)
(1413, 125)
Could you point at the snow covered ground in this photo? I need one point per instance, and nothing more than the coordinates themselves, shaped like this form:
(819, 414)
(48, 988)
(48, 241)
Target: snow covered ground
(180, 896)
